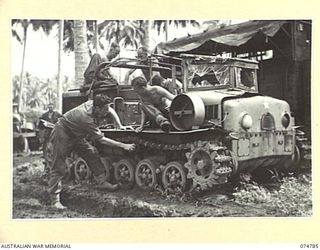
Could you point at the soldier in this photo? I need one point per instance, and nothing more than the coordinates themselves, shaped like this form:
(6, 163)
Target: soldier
(51, 116)
(70, 133)
(96, 60)
(173, 87)
(142, 56)
(155, 102)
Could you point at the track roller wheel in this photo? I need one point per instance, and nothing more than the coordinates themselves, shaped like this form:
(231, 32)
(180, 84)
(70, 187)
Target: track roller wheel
(146, 175)
(174, 176)
(81, 170)
(124, 172)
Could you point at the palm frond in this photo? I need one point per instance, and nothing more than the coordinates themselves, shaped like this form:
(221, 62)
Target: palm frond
(15, 35)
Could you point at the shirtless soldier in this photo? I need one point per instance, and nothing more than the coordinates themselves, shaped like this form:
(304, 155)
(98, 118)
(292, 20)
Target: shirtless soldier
(155, 102)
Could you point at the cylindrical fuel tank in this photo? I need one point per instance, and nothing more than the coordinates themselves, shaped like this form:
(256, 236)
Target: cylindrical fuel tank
(188, 110)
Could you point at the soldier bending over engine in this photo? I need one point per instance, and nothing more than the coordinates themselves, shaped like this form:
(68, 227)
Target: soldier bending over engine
(155, 102)
(69, 135)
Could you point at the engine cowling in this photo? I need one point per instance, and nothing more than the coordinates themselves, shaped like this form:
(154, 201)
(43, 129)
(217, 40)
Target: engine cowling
(194, 109)
(241, 112)
(257, 113)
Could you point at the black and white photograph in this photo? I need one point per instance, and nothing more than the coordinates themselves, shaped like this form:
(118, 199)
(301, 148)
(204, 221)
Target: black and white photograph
(161, 118)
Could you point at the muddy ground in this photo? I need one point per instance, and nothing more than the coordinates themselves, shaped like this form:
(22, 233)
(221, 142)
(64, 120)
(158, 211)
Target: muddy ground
(30, 199)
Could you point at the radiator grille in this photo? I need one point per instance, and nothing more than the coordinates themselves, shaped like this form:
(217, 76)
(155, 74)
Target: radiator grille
(267, 122)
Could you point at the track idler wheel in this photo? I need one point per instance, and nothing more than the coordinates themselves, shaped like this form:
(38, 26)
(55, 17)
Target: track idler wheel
(124, 173)
(81, 170)
(174, 176)
(146, 174)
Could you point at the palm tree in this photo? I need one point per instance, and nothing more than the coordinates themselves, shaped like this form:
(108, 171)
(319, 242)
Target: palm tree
(164, 25)
(96, 36)
(25, 24)
(59, 80)
(46, 26)
(81, 51)
(93, 35)
(34, 89)
(15, 89)
(39, 93)
(124, 32)
(68, 35)
(49, 93)
(146, 26)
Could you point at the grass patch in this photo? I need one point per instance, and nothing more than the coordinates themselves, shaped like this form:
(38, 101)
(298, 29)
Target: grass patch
(291, 197)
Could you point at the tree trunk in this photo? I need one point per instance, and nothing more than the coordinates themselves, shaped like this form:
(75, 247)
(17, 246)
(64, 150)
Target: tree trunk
(80, 50)
(147, 34)
(96, 36)
(20, 104)
(59, 78)
(166, 30)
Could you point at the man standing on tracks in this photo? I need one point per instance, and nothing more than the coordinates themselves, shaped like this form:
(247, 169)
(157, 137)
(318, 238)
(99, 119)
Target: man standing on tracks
(155, 101)
(70, 133)
(96, 60)
(142, 57)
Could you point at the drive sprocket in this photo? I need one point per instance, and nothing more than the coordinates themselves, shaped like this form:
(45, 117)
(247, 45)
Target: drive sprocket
(208, 164)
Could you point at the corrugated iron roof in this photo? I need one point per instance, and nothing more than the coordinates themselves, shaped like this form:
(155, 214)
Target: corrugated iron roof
(232, 35)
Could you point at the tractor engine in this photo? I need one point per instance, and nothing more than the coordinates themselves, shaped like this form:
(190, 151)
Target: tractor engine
(261, 129)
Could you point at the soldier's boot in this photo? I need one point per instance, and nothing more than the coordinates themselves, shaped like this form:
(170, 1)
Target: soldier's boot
(165, 126)
(55, 199)
(163, 123)
(104, 184)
